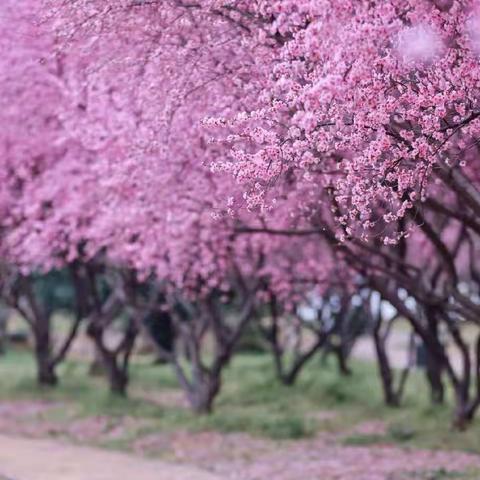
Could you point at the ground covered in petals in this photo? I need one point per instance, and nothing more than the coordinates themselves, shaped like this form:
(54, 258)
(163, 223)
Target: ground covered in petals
(231, 456)
(322, 428)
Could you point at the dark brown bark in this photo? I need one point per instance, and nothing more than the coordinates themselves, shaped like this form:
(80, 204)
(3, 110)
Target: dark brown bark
(386, 375)
(393, 388)
(289, 372)
(289, 375)
(3, 329)
(101, 313)
(43, 352)
(206, 322)
(96, 368)
(115, 362)
(38, 318)
(342, 360)
(202, 397)
(433, 369)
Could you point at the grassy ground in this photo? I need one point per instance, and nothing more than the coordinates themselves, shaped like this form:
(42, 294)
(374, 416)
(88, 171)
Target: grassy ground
(252, 401)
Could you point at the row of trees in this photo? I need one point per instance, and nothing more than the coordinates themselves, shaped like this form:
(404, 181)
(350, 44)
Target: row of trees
(217, 159)
(197, 338)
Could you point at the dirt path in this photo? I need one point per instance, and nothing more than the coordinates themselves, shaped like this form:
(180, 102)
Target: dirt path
(315, 459)
(27, 459)
(34, 448)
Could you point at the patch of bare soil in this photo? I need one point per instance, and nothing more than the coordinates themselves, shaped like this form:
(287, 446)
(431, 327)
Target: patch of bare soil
(102, 428)
(163, 398)
(28, 418)
(210, 450)
(372, 427)
(31, 419)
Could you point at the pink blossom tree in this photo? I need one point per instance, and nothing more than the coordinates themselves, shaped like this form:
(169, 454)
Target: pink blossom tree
(351, 124)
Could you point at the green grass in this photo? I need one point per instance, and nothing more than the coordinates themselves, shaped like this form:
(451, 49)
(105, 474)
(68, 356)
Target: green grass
(251, 401)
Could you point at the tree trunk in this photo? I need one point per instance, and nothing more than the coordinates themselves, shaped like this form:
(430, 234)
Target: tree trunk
(202, 396)
(289, 379)
(46, 375)
(433, 369)
(289, 375)
(464, 413)
(3, 329)
(433, 372)
(116, 376)
(96, 368)
(341, 357)
(118, 380)
(115, 362)
(386, 375)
